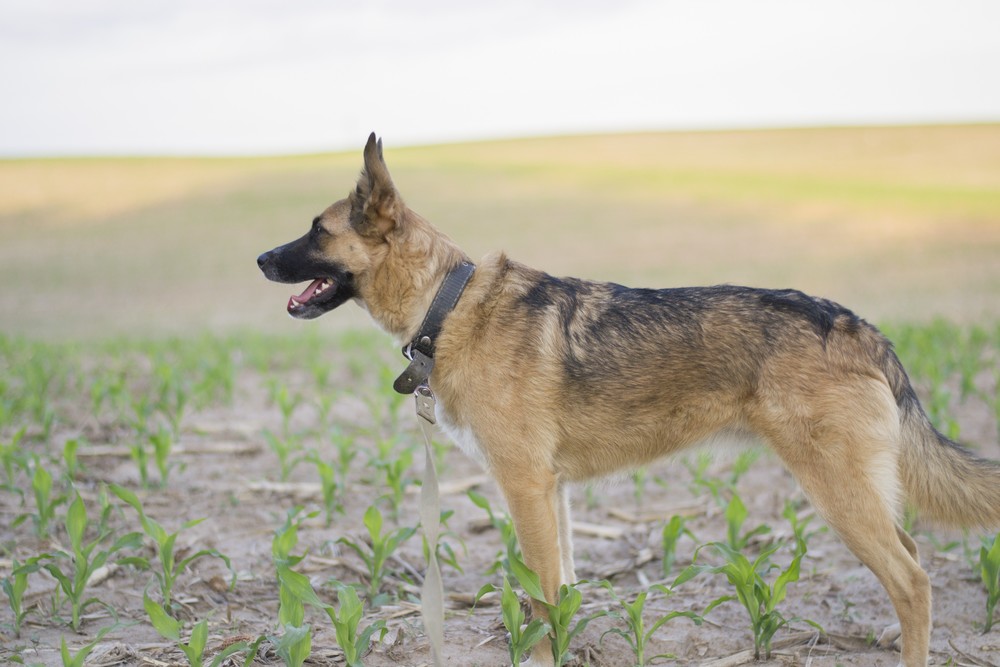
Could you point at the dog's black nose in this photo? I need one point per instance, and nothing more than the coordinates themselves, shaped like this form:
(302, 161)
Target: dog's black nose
(263, 259)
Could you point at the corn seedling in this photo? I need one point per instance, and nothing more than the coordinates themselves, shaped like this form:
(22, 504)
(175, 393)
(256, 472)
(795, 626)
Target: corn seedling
(216, 379)
(673, 530)
(289, 452)
(395, 471)
(741, 466)
(635, 632)
(385, 404)
(172, 395)
(346, 451)
(12, 457)
(41, 382)
(375, 553)
(989, 570)
(108, 387)
(294, 590)
(522, 638)
(104, 504)
(970, 359)
(736, 515)
(346, 620)
(14, 586)
(77, 659)
(759, 598)
(384, 451)
(70, 459)
(502, 523)
(295, 643)
(328, 485)
(324, 401)
(45, 503)
(85, 559)
(800, 532)
(563, 624)
(287, 402)
(142, 410)
(163, 543)
(445, 552)
(162, 441)
(137, 450)
(6, 404)
(321, 376)
(699, 471)
(194, 649)
(287, 537)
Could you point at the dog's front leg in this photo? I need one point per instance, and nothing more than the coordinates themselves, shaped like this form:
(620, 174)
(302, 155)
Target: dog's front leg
(533, 497)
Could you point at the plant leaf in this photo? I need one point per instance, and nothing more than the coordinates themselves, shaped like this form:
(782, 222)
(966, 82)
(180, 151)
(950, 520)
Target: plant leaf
(161, 620)
(76, 523)
(196, 645)
(527, 578)
(299, 586)
(781, 583)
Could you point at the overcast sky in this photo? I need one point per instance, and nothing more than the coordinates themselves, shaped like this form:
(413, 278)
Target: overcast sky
(252, 76)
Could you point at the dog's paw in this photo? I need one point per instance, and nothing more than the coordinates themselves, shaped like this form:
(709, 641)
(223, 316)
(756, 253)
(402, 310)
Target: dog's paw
(889, 636)
(539, 659)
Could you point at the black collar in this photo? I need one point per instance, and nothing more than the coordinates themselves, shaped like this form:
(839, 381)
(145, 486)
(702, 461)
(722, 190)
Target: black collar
(420, 350)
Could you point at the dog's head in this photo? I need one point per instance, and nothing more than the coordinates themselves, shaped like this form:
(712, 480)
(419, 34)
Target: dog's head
(339, 252)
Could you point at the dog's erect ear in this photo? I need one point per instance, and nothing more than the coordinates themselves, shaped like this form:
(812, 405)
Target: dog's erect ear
(377, 205)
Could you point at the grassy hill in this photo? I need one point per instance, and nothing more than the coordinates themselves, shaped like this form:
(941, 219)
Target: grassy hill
(898, 223)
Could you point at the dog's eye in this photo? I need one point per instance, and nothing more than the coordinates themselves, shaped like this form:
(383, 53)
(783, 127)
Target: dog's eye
(317, 228)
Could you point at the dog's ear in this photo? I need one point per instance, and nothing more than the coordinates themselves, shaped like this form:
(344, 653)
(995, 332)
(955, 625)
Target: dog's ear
(376, 206)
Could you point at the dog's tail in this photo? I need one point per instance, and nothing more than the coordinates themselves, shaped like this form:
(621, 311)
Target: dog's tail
(944, 481)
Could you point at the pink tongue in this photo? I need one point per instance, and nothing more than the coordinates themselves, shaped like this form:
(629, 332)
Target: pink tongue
(309, 291)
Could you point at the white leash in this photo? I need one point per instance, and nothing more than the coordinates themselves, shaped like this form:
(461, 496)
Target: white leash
(413, 380)
(432, 592)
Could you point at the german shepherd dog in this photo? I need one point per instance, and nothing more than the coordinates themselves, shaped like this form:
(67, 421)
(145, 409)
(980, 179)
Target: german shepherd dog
(549, 381)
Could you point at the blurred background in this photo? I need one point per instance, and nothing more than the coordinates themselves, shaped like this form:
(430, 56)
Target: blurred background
(149, 151)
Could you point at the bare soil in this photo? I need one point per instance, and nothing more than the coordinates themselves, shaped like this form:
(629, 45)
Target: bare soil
(230, 476)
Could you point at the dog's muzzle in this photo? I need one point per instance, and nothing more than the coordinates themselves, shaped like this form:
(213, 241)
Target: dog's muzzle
(264, 263)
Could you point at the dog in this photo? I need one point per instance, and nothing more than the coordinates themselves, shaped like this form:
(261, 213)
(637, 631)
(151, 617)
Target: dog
(549, 381)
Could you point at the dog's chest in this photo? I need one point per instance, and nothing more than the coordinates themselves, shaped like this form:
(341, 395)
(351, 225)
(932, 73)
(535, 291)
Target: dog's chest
(463, 436)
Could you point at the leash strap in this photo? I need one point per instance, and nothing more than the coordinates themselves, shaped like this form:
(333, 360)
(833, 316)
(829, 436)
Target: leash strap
(413, 380)
(432, 592)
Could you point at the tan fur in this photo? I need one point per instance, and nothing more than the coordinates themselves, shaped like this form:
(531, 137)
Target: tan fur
(553, 381)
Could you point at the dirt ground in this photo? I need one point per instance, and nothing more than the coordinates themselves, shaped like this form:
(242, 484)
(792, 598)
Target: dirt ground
(229, 475)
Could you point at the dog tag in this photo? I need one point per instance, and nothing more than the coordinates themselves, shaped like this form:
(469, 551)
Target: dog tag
(415, 374)
(425, 404)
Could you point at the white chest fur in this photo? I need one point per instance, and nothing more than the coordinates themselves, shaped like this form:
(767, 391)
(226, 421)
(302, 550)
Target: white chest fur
(462, 436)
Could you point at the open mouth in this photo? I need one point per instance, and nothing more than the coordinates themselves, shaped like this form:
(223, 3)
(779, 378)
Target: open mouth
(313, 294)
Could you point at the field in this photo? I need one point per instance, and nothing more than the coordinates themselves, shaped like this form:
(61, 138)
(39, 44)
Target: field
(150, 379)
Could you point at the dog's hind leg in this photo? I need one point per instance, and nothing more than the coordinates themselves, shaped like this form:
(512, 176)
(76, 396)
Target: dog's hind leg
(846, 464)
(871, 534)
(892, 633)
(566, 535)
